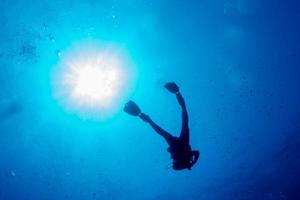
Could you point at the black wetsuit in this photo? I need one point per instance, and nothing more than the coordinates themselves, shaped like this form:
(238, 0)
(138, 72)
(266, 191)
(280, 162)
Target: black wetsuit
(179, 147)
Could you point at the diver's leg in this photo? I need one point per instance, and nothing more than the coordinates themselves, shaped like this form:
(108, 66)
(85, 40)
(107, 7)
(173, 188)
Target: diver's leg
(168, 137)
(185, 133)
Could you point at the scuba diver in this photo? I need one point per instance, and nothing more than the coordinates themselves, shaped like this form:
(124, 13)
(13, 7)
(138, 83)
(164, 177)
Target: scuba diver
(179, 147)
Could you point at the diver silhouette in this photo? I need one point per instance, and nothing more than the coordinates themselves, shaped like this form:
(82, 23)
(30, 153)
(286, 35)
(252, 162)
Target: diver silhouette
(179, 147)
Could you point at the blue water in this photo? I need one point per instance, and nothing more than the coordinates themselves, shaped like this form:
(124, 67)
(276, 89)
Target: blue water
(236, 61)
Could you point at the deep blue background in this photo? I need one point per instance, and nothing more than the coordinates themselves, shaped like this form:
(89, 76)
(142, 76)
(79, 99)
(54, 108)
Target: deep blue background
(236, 61)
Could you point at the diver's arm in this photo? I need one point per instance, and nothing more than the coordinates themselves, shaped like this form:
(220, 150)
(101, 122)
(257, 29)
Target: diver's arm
(185, 118)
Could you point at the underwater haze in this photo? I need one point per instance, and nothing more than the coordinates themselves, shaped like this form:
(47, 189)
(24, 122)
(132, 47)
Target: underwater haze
(237, 63)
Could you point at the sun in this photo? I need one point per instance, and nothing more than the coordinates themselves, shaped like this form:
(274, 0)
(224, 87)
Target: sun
(93, 81)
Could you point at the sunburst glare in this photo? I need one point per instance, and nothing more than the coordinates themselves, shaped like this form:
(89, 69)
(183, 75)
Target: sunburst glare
(93, 79)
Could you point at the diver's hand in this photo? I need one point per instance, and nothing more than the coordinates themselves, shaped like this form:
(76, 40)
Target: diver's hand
(145, 117)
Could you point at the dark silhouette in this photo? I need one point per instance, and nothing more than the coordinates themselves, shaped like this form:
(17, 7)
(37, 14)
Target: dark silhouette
(179, 147)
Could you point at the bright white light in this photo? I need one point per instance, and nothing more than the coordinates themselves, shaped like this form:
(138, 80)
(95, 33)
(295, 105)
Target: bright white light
(93, 81)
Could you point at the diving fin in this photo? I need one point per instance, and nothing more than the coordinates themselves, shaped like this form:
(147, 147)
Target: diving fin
(172, 87)
(132, 108)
